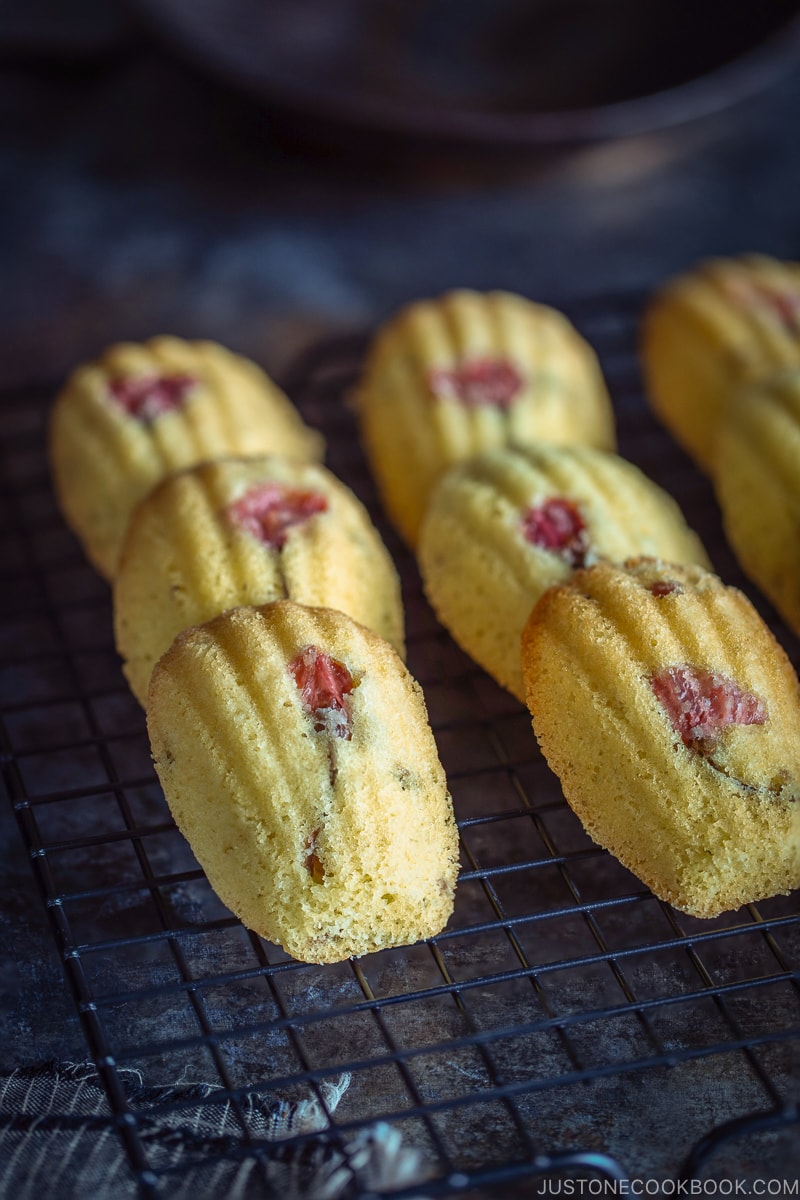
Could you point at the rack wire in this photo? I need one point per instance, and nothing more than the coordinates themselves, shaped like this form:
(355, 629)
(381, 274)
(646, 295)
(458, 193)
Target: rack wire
(565, 1023)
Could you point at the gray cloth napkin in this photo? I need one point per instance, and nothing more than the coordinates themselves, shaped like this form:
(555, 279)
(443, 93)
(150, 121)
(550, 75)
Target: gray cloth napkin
(58, 1140)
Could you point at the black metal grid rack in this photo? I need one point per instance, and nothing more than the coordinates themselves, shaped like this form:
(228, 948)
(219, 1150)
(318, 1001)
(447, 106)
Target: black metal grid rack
(565, 1021)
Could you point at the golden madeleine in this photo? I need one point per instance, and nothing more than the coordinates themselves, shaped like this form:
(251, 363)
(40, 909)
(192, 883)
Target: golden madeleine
(758, 487)
(670, 714)
(503, 527)
(450, 378)
(708, 331)
(295, 754)
(140, 411)
(247, 531)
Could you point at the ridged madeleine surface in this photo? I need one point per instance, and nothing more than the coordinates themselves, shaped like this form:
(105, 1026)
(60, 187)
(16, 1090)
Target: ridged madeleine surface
(204, 402)
(484, 550)
(710, 330)
(671, 716)
(758, 487)
(201, 543)
(322, 818)
(450, 378)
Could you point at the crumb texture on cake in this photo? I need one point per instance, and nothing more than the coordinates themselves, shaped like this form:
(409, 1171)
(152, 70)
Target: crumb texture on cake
(708, 823)
(503, 527)
(140, 411)
(449, 378)
(247, 531)
(316, 804)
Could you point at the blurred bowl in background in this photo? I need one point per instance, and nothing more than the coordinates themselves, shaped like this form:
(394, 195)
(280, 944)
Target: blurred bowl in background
(489, 73)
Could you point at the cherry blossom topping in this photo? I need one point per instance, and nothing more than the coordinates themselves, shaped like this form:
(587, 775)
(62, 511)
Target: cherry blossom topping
(701, 704)
(478, 382)
(324, 682)
(269, 511)
(664, 587)
(146, 397)
(781, 303)
(557, 525)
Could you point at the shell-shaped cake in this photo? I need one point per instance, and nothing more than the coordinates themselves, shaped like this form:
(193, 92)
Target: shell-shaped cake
(450, 378)
(503, 527)
(295, 754)
(125, 421)
(247, 531)
(723, 323)
(757, 482)
(670, 714)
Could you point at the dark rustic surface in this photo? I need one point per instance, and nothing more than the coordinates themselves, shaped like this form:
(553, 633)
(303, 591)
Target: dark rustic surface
(139, 197)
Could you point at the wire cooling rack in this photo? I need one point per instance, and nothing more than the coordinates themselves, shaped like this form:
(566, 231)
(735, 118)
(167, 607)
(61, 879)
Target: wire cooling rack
(565, 1023)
